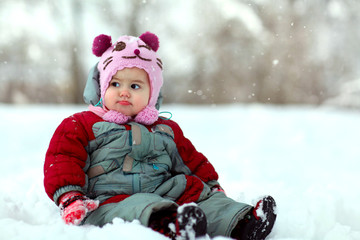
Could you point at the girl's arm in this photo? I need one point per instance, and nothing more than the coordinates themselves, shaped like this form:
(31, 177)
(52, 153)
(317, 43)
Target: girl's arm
(65, 158)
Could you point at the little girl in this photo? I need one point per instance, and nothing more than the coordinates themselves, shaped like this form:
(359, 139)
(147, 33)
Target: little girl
(119, 159)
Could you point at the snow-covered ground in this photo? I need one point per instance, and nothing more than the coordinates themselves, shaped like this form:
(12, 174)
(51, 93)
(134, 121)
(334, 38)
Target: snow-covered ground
(307, 158)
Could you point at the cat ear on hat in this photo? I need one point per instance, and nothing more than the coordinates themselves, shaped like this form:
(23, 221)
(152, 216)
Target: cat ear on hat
(151, 40)
(101, 44)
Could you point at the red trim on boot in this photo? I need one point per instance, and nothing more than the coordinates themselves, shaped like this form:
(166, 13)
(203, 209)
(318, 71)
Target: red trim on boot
(256, 208)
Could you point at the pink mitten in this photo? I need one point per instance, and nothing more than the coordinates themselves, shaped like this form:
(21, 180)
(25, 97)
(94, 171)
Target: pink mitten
(74, 206)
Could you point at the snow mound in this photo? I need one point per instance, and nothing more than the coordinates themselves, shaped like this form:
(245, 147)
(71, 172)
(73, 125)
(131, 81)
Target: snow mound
(306, 158)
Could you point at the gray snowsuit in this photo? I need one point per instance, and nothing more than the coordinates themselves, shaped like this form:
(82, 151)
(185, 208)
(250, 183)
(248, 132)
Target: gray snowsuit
(134, 171)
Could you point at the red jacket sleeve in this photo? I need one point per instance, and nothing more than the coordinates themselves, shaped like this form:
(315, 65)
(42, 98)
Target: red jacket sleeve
(194, 160)
(66, 156)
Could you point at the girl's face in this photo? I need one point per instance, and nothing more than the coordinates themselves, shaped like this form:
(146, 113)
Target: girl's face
(128, 91)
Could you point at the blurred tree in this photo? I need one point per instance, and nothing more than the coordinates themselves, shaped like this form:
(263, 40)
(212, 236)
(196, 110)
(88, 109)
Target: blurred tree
(78, 76)
(278, 51)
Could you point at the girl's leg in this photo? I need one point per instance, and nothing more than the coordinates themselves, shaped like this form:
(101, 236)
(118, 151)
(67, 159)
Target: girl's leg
(222, 213)
(139, 206)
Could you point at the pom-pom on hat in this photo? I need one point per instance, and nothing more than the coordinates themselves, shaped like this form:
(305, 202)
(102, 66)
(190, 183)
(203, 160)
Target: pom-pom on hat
(129, 52)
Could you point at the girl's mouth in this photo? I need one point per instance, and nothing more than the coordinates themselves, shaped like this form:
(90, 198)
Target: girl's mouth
(125, 103)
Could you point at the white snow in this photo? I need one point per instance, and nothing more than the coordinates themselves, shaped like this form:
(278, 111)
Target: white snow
(306, 158)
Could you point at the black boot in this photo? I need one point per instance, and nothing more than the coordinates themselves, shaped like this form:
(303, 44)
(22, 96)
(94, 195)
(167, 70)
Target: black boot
(258, 222)
(190, 222)
(160, 221)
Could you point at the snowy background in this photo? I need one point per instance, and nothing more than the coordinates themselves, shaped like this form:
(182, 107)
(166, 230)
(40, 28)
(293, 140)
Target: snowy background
(224, 51)
(307, 158)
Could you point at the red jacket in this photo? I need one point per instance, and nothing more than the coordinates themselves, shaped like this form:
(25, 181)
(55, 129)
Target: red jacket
(67, 156)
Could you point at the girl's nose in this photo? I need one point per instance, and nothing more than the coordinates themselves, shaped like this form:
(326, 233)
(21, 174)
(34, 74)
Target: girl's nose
(124, 93)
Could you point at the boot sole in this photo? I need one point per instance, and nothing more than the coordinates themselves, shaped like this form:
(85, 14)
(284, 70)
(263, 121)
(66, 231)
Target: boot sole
(264, 226)
(191, 222)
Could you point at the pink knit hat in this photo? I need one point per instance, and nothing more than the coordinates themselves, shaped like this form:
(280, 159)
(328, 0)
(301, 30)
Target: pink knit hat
(129, 52)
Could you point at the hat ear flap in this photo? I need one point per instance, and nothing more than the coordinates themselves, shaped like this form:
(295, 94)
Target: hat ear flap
(101, 44)
(92, 88)
(151, 40)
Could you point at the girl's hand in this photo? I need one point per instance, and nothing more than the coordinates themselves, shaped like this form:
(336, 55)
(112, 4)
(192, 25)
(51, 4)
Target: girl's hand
(74, 206)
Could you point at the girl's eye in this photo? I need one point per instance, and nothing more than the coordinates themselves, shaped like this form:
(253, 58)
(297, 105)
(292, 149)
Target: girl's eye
(115, 84)
(135, 86)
